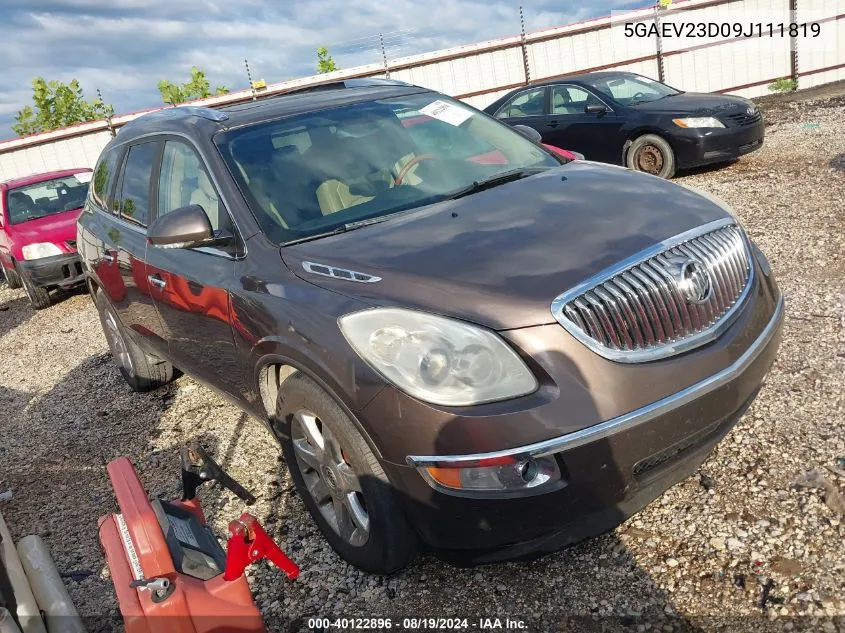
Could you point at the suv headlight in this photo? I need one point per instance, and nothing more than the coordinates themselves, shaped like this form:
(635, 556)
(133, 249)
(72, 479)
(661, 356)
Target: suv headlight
(42, 249)
(437, 359)
(698, 121)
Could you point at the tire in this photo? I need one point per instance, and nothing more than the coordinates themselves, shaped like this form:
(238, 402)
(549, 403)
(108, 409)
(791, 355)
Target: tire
(13, 281)
(386, 543)
(651, 154)
(141, 371)
(39, 298)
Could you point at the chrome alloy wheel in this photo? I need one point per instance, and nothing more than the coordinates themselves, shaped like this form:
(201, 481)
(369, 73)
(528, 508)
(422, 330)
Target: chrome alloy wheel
(330, 480)
(118, 346)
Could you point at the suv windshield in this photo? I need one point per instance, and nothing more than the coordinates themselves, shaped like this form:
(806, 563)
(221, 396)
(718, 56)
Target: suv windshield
(631, 89)
(47, 197)
(314, 174)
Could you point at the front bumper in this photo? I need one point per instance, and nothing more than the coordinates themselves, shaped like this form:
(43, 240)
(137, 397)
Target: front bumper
(611, 470)
(63, 270)
(696, 147)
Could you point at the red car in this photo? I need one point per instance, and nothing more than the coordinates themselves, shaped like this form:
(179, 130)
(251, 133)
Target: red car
(38, 232)
(563, 152)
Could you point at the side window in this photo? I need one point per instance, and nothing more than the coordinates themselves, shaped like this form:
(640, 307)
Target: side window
(104, 175)
(185, 181)
(133, 198)
(625, 89)
(571, 100)
(528, 103)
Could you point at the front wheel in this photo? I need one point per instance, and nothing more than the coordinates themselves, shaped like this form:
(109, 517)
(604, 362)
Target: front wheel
(651, 154)
(38, 296)
(141, 371)
(340, 480)
(13, 281)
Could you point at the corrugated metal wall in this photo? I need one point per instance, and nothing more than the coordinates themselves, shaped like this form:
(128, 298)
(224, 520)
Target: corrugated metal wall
(480, 73)
(77, 151)
(824, 62)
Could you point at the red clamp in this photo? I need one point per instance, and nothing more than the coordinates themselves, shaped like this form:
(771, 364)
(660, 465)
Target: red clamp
(249, 543)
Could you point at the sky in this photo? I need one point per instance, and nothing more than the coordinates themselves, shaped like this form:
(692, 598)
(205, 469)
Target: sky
(124, 47)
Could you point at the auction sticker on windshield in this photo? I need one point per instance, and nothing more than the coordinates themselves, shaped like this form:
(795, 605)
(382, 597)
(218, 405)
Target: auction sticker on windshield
(447, 112)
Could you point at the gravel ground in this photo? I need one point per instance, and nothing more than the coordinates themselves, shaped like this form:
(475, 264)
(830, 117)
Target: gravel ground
(696, 559)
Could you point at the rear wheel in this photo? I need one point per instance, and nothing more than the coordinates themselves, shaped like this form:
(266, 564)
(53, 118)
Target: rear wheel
(13, 281)
(142, 371)
(38, 297)
(340, 480)
(653, 155)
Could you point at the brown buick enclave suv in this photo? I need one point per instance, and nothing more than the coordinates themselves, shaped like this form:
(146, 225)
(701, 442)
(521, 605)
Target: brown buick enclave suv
(480, 347)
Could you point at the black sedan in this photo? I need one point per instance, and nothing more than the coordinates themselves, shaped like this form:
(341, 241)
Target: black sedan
(627, 119)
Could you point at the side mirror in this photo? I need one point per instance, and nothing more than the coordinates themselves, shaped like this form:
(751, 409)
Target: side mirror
(529, 132)
(596, 108)
(184, 227)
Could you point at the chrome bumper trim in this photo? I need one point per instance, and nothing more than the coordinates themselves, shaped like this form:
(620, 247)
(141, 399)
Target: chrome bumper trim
(620, 423)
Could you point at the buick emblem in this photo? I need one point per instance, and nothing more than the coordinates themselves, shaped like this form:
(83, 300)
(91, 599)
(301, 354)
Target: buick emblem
(694, 282)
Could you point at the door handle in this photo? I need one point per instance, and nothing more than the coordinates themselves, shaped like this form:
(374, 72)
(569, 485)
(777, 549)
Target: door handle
(108, 258)
(157, 281)
(552, 124)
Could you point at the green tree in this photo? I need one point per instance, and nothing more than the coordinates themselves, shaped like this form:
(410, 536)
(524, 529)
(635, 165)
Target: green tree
(197, 88)
(325, 62)
(56, 105)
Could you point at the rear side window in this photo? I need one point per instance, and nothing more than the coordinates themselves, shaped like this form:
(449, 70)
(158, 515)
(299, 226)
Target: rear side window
(527, 103)
(104, 175)
(133, 198)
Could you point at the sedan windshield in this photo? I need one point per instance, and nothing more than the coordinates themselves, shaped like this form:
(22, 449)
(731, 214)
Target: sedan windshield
(47, 197)
(330, 171)
(631, 89)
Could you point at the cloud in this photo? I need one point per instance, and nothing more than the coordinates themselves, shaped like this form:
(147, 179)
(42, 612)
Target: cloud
(125, 47)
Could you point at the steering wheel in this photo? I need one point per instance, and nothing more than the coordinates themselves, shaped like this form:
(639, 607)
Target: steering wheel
(414, 161)
(638, 94)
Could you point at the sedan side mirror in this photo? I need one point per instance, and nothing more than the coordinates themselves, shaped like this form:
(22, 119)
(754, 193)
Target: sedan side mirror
(596, 108)
(529, 132)
(184, 227)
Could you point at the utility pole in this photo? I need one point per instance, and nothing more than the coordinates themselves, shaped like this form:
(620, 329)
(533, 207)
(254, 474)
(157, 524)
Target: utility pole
(524, 47)
(249, 78)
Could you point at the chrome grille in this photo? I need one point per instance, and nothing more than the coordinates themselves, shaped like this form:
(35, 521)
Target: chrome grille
(646, 308)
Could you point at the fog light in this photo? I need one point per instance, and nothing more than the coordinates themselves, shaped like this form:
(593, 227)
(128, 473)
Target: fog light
(502, 474)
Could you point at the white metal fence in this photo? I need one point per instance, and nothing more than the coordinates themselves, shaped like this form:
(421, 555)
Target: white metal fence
(480, 73)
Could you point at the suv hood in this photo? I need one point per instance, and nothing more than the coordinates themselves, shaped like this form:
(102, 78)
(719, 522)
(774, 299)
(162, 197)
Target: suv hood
(56, 228)
(696, 103)
(499, 257)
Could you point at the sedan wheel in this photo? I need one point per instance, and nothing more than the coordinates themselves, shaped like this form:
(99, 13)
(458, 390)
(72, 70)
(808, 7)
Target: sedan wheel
(649, 159)
(651, 154)
(331, 482)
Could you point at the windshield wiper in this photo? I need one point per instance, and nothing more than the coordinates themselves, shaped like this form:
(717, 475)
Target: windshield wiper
(495, 181)
(349, 226)
(357, 224)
